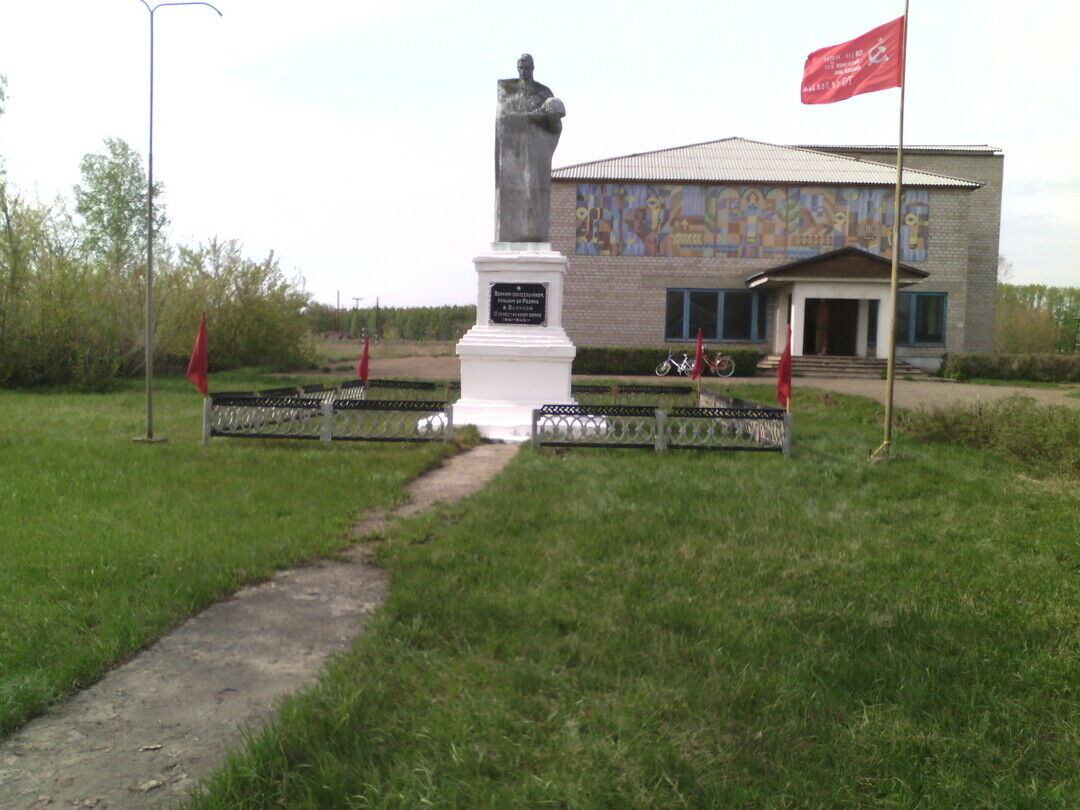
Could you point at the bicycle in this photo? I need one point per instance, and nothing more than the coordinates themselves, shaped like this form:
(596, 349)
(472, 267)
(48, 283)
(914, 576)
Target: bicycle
(684, 366)
(721, 366)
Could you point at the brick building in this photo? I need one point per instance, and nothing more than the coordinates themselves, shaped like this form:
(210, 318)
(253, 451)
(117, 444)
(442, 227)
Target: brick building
(738, 237)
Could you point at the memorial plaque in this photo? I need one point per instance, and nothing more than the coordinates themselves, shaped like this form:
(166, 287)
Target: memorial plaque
(519, 304)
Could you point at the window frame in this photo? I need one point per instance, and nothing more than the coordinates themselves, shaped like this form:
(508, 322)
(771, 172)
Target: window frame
(913, 317)
(758, 305)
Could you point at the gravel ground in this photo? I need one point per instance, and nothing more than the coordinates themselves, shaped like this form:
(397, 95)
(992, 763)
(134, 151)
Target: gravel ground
(906, 393)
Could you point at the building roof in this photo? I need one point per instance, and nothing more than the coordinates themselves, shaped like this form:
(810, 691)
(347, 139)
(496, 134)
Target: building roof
(737, 160)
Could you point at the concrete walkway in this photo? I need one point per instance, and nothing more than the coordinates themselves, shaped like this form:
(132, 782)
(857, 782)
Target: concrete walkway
(913, 393)
(145, 733)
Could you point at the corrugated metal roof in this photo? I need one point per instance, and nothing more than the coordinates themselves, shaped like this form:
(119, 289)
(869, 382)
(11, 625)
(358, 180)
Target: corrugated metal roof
(737, 160)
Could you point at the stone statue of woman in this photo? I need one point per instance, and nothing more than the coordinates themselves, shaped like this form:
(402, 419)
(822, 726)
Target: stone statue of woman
(527, 130)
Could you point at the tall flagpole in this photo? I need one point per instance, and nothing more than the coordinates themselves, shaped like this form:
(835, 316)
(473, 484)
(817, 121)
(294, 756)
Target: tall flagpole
(149, 362)
(890, 373)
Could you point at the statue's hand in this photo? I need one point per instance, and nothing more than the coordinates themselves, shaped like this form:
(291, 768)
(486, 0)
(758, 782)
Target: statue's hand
(553, 107)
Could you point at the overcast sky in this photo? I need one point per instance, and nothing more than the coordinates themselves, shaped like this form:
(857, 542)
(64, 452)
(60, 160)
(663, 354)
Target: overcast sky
(355, 139)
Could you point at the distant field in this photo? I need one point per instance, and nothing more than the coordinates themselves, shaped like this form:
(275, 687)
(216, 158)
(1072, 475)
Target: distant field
(626, 629)
(105, 544)
(335, 352)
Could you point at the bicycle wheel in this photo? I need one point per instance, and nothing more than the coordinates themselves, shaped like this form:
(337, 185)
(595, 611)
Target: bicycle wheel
(724, 367)
(663, 369)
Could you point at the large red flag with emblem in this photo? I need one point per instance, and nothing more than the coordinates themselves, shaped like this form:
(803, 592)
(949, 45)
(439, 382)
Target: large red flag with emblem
(871, 62)
(198, 365)
(783, 374)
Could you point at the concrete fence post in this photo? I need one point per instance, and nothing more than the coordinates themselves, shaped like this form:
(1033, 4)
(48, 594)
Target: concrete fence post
(661, 431)
(535, 429)
(207, 407)
(787, 434)
(327, 421)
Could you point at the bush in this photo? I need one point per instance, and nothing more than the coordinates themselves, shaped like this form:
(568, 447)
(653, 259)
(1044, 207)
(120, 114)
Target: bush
(639, 361)
(1041, 438)
(72, 293)
(1029, 367)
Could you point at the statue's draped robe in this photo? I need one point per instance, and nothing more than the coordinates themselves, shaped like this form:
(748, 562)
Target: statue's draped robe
(525, 140)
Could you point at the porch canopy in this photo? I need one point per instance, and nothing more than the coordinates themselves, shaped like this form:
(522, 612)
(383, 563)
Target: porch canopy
(833, 301)
(846, 265)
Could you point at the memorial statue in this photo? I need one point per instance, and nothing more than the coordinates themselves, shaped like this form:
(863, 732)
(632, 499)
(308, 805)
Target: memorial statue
(527, 131)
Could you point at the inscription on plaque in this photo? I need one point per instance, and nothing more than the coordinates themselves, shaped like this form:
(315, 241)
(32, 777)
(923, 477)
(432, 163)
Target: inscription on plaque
(522, 304)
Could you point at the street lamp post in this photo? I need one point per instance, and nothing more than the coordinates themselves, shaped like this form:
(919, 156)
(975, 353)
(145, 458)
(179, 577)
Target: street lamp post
(150, 228)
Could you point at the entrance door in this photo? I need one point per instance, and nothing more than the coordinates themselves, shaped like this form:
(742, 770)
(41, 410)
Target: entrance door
(831, 326)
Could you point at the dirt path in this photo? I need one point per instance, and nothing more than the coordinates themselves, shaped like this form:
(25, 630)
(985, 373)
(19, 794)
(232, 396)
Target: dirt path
(142, 735)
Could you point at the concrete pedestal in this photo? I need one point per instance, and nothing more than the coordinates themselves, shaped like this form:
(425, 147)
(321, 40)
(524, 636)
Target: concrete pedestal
(509, 369)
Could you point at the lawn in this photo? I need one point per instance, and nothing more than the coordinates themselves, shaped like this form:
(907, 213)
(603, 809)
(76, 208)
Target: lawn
(106, 543)
(604, 628)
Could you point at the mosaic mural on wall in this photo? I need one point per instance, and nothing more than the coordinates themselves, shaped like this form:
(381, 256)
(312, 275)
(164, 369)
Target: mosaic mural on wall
(750, 222)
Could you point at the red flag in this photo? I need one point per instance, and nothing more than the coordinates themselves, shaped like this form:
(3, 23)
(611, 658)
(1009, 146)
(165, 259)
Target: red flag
(699, 359)
(871, 62)
(783, 374)
(197, 369)
(362, 369)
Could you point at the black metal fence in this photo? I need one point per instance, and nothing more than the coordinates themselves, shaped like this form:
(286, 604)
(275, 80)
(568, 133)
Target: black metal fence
(725, 424)
(331, 413)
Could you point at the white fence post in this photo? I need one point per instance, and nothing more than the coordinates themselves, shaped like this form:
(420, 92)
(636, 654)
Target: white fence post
(661, 431)
(327, 421)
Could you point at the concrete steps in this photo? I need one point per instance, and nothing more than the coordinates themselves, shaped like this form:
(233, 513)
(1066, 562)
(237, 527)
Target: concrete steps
(822, 366)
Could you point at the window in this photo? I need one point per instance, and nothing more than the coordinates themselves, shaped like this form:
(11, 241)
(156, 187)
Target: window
(719, 314)
(920, 318)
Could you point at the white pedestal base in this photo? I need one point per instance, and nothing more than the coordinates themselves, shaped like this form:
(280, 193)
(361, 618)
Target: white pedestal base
(508, 370)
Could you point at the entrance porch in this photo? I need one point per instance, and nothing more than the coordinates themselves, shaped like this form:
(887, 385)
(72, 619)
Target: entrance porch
(837, 303)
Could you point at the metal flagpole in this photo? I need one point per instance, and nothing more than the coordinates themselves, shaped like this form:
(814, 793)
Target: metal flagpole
(149, 437)
(890, 373)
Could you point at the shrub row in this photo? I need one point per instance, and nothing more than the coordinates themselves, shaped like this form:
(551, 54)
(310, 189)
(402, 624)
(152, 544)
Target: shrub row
(1033, 367)
(1040, 437)
(639, 361)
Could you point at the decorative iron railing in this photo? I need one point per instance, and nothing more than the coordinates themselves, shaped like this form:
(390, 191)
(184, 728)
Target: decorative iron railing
(711, 428)
(381, 420)
(336, 413)
(595, 426)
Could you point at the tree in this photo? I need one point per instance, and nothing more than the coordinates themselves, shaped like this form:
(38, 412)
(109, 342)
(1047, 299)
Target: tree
(112, 202)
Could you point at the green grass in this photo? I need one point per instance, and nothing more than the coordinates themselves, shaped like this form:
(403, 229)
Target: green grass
(626, 629)
(1042, 439)
(106, 543)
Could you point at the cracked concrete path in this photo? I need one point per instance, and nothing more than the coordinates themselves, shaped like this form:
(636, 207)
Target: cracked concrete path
(144, 733)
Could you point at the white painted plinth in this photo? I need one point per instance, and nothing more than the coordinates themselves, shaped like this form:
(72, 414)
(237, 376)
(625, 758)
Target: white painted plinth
(508, 370)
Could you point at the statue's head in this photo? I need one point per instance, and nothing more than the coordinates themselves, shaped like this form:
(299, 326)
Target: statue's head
(525, 67)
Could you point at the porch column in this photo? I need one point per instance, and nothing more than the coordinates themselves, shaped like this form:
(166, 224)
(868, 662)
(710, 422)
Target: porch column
(884, 308)
(798, 319)
(781, 314)
(862, 324)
